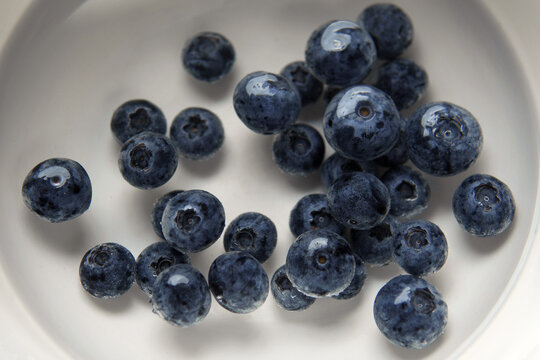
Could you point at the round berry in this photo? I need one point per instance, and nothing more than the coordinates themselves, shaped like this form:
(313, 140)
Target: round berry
(286, 295)
(57, 190)
(312, 212)
(409, 191)
(136, 116)
(483, 205)
(307, 85)
(376, 245)
(336, 165)
(208, 56)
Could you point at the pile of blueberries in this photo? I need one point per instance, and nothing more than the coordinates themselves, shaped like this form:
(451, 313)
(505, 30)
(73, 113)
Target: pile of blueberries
(355, 223)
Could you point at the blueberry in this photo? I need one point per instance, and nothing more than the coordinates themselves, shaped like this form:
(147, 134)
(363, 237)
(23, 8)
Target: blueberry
(376, 245)
(251, 232)
(208, 56)
(359, 200)
(57, 190)
(137, 116)
(390, 28)
(307, 85)
(193, 220)
(409, 191)
(340, 53)
(403, 80)
(398, 154)
(266, 103)
(157, 211)
(155, 259)
(483, 205)
(198, 133)
(148, 160)
(312, 212)
(320, 263)
(336, 165)
(238, 282)
(361, 123)
(357, 281)
(107, 270)
(298, 150)
(181, 295)
(286, 295)
(443, 139)
(420, 247)
(410, 312)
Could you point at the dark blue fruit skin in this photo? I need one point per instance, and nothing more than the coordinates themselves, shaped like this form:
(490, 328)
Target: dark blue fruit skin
(136, 116)
(157, 211)
(359, 200)
(286, 295)
(238, 282)
(483, 205)
(409, 191)
(57, 190)
(320, 263)
(312, 212)
(376, 245)
(299, 150)
(357, 281)
(398, 154)
(266, 103)
(148, 160)
(443, 139)
(181, 296)
(361, 123)
(336, 165)
(340, 53)
(420, 247)
(252, 232)
(410, 312)
(155, 259)
(198, 133)
(107, 270)
(307, 85)
(193, 220)
(403, 80)
(330, 92)
(208, 56)
(390, 28)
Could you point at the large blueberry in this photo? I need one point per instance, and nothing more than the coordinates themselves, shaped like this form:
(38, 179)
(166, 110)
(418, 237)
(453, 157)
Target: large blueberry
(409, 191)
(298, 150)
(312, 212)
(181, 296)
(208, 56)
(286, 295)
(320, 263)
(57, 190)
(251, 232)
(340, 53)
(308, 86)
(136, 116)
(198, 133)
(483, 205)
(238, 282)
(336, 165)
(420, 247)
(403, 80)
(359, 200)
(361, 123)
(357, 281)
(266, 103)
(410, 312)
(155, 259)
(107, 270)
(443, 139)
(148, 160)
(376, 245)
(157, 211)
(390, 28)
(193, 220)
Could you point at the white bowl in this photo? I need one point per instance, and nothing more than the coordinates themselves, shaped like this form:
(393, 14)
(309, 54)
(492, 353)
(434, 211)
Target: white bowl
(67, 65)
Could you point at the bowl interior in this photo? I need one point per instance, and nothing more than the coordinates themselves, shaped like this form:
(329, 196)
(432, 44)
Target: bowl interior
(70, 64)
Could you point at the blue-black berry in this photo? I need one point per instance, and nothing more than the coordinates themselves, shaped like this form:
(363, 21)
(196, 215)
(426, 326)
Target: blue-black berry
(208, 56)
